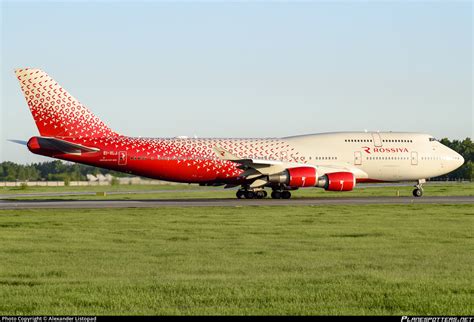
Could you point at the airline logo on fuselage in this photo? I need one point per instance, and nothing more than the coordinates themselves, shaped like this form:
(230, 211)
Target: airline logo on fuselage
(369, 150)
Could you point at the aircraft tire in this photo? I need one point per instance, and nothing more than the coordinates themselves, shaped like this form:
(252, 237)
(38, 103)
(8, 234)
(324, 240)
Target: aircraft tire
(417, 193)
(286, 194)
(276, 194)
(249, 195)
(260, 194)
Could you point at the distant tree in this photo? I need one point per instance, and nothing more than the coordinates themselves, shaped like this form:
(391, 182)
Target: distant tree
(466, 149)
(53, 171)
(114, 181)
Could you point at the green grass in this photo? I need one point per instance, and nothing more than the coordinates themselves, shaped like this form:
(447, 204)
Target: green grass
(374, 259)
(124, 187)
(194, 191)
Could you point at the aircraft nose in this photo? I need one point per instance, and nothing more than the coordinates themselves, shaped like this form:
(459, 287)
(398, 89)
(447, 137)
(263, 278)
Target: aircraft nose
(461, 160)
(458, 159)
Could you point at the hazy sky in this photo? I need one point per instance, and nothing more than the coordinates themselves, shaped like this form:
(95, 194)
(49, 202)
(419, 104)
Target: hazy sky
(211, 69)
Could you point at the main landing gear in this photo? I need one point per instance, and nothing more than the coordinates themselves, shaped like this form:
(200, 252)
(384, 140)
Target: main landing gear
(251, 194)
(277, 194)
(260, 194)
(418, 191)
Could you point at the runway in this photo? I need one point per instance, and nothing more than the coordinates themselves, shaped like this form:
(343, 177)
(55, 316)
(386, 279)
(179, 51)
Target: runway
(93, 193)
(159, 203)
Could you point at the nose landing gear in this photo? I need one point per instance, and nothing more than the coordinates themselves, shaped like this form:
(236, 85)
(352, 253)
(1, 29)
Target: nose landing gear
(418, 191)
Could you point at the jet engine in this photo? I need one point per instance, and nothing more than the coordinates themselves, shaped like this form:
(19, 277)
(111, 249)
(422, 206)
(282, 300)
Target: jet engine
(337, 181)
(307, 177)
(296, 177)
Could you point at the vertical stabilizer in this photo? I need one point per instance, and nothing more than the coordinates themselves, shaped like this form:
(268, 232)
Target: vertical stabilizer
(55, 111)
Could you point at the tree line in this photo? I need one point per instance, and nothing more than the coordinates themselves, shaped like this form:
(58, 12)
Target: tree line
(466, 149)
(65, 171)
(50, 171)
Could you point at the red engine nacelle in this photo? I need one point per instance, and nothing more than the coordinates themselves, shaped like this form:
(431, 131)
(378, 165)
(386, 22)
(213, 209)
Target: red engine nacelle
(307, 177)
(296, 177)
(302, 177)
(340, 181)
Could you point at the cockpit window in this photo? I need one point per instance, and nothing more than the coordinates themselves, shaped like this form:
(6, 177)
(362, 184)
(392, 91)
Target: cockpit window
(433, 139)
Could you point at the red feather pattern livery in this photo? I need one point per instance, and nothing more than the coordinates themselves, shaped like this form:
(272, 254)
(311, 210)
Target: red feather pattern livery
(58, 114)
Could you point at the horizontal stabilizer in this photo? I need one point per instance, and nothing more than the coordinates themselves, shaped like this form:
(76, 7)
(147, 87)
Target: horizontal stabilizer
(54, 145)
(19, 142)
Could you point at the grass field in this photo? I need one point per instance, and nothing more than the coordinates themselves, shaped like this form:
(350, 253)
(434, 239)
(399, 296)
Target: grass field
(374, 259)
(109, 188)
(194, 191)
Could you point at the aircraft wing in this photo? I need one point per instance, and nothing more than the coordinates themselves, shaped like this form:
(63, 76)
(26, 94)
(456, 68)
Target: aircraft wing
(264, 167)
(259, 169)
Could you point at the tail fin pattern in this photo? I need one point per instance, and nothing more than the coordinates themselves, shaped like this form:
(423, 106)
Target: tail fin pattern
(55, 111)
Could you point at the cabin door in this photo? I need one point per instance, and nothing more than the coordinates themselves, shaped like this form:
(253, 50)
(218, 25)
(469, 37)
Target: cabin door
(357, 158)
(414, 158)
(377, 140)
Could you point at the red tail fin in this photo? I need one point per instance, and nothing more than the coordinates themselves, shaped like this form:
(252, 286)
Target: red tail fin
(56, 112)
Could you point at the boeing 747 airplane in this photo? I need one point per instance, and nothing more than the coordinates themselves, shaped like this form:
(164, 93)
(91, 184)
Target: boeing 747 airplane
(332, 161)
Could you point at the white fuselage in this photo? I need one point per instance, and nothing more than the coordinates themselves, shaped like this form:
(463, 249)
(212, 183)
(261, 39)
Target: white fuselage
(382, 156)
